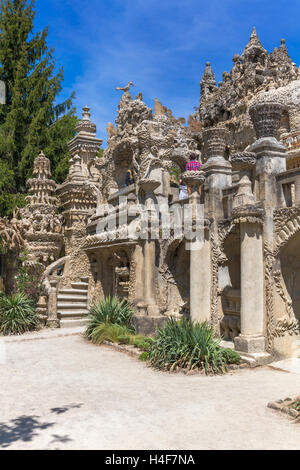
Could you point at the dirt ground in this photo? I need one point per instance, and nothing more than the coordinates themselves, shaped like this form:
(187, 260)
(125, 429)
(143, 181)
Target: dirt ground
(64, 393)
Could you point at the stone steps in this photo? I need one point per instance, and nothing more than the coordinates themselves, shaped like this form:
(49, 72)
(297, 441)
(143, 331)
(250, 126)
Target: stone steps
(80, 285)
(73, 323)
(72, 304)
(73, 292)
(73, 313)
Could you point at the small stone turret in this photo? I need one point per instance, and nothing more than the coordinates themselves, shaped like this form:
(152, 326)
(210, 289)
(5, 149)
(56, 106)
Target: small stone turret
(42, 224)
(254, 48)
(208, 82)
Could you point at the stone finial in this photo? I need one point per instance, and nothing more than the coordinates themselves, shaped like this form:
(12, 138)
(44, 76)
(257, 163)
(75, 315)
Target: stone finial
(266, 114)
(283, 48)
(41, 167)
(215, 141)
(193, 179)
(243, 162)
(254, 47)
(208, 81)
(86, 115)
(85, 126)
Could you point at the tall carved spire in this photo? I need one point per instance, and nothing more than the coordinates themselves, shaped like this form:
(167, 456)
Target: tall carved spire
(208, 81)
(254, 47)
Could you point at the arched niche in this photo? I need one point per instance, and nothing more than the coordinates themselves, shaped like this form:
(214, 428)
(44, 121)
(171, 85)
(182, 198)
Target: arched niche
(230, 285)
(178, 263)
(123, 160)
(290, 270)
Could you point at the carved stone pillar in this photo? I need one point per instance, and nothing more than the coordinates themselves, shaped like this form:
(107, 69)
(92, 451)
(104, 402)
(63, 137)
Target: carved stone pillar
(244, 163)
(271, 154)
(200, 253)
(52, 320)
(251, 339)
(218, 171)
(148, 187)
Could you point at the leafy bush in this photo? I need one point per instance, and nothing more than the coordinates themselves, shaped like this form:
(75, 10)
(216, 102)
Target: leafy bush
(17, 314)
(110, 311)
(144, 356)
(141, 342)
(188, 345)
(231, 356)
(108, 332)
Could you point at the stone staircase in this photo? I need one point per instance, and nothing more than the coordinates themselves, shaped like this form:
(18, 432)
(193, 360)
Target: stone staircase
(72, 304)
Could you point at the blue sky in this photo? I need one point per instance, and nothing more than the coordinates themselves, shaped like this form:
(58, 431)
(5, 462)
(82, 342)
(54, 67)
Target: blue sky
(161, 45)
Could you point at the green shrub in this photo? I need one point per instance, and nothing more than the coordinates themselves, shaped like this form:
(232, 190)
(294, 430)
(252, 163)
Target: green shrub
(144, 356)
(17, 314)
(108, 332)
(231, 356)
(110, 310)
(189, 345)
(110, 319)
(141, 342)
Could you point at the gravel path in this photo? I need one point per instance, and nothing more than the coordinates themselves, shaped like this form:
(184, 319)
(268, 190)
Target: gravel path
(64, 393)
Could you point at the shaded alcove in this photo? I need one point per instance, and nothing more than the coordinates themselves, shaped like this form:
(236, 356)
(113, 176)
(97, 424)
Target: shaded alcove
(178, 262)
(290, 269)
(230, 285)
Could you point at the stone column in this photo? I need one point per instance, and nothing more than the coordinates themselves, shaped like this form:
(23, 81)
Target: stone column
(149, 186)
(251, 339)
(200, 255)
(244, 163)
(218, 171)
(52, 320)
(270, 153)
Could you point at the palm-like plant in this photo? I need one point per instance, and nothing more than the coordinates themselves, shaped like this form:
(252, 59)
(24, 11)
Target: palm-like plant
(17, 314)
(110, 310)
(189, 345)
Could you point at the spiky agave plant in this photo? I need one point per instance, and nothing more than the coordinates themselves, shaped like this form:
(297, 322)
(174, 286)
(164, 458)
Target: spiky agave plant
(17, 314)
(189, 345)
(109, 311)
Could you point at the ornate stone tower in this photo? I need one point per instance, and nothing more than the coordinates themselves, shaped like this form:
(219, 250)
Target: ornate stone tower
(78, 195)
(42, 224)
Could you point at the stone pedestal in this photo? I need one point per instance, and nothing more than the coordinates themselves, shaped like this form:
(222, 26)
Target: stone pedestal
(52, 320)
(270, 153)
(218, 171)
(244, 163)
(251, 339)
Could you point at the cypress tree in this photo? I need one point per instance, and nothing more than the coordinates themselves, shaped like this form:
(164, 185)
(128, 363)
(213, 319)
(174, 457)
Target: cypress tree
(31, 120)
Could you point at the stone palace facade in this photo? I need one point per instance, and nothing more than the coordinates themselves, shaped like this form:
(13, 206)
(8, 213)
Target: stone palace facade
(245, 277)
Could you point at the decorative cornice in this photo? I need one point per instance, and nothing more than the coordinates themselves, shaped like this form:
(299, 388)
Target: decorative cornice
(250, 213)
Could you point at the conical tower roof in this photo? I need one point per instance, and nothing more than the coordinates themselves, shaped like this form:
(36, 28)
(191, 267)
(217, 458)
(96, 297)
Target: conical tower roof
(254, 47)
(208, 77)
